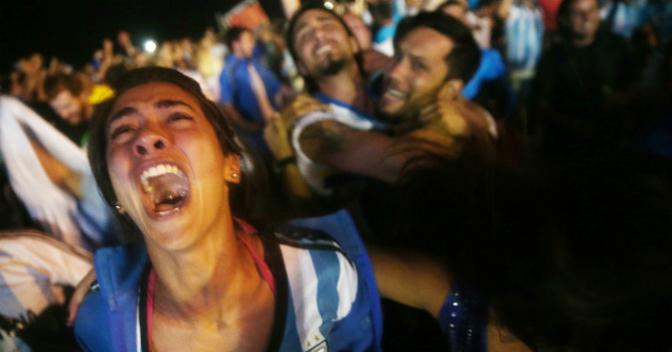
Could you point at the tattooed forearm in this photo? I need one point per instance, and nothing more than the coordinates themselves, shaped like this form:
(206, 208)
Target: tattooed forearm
(323, 139)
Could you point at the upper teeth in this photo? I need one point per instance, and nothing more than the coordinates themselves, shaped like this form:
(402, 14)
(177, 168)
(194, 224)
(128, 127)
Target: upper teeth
(395, 93)
(158, 170)
(323, 48)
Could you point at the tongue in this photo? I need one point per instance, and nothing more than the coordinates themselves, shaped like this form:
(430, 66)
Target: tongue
(168, 191)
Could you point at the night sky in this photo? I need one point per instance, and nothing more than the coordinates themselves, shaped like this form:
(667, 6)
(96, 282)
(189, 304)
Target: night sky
(73, 30)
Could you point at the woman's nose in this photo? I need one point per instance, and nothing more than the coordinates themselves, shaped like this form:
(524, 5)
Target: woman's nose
(150, 142)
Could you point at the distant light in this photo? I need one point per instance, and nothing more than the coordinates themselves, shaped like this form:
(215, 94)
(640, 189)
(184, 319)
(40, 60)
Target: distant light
(329, 5)
(150, 46)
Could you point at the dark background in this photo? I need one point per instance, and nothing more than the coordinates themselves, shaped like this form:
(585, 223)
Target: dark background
(73, 30)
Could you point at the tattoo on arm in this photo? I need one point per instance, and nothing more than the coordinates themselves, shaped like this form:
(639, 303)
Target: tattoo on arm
(323, 139)
(350, 150)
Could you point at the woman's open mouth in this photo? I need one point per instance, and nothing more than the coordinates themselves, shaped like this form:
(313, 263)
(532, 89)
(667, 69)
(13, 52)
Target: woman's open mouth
(167, 188)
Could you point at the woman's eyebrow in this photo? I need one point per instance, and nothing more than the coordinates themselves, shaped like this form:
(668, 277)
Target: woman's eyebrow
(123, 112)
(161, 104)
(169, 103)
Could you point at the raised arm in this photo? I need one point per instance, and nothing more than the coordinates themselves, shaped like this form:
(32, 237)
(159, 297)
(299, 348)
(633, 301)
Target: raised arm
(354, 151)
(410, 279)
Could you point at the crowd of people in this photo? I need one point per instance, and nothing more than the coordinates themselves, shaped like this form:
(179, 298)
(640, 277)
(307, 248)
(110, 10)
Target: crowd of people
(482, 175)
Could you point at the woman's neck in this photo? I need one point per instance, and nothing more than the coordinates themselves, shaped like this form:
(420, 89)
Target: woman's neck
(195, 281)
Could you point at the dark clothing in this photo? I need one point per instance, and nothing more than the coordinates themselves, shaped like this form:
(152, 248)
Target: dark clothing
(571, 90)
(14, 213)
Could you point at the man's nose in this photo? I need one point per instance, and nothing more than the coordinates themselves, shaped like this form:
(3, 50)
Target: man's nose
(397, 69)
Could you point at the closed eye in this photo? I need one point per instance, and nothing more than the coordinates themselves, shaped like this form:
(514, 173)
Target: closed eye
(119, 131)
(304, 35)
(179, 116)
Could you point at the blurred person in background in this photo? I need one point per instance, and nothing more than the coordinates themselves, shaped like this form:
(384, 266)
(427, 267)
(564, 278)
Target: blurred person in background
(524, 31)
(209, 63)
(581, 86)
(128, 50)
(372, 59)
(489, 86)
(51, 176)
(249, 92)
(622, 17)
(68, 97)
(385, 15)
(37, 274)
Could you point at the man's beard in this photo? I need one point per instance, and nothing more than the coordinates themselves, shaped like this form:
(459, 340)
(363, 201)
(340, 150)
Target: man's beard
(409, 114)
(331, 67)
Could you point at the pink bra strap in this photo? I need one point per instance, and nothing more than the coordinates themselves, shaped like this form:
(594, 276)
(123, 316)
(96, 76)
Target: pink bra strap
(263, 268)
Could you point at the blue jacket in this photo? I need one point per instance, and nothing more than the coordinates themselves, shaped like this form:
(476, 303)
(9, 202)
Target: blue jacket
(236, 86)
(321, 299)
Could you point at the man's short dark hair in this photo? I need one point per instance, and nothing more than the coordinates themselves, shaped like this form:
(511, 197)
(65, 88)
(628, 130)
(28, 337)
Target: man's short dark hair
(55, 84)
(232, 35)
(562, 17)
(464, 59)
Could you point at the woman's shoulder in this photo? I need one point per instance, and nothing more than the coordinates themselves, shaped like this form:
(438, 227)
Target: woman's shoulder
(92, 325)
(118, 262)
(119, 271)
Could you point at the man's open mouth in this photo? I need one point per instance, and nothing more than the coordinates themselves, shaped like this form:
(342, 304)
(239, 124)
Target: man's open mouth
(395, 93)
(167, 188)
(323, 49)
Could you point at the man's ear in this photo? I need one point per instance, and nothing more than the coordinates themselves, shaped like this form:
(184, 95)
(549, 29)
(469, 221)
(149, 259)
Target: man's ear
(303, 71)
(451, 89)
(232, 172)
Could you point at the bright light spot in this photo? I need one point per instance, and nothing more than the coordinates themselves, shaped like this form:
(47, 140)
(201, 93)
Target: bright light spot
(329, 5)
(150, 46)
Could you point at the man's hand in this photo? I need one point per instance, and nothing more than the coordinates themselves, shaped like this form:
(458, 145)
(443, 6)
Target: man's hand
(301, 106)
(278, 139)
(443, 114)
(443, 125)
(277, 131)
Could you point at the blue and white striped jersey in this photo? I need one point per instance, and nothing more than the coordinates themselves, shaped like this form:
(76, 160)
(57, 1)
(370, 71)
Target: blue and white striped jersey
(524, 31)
(321, 302)
(328, 309)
